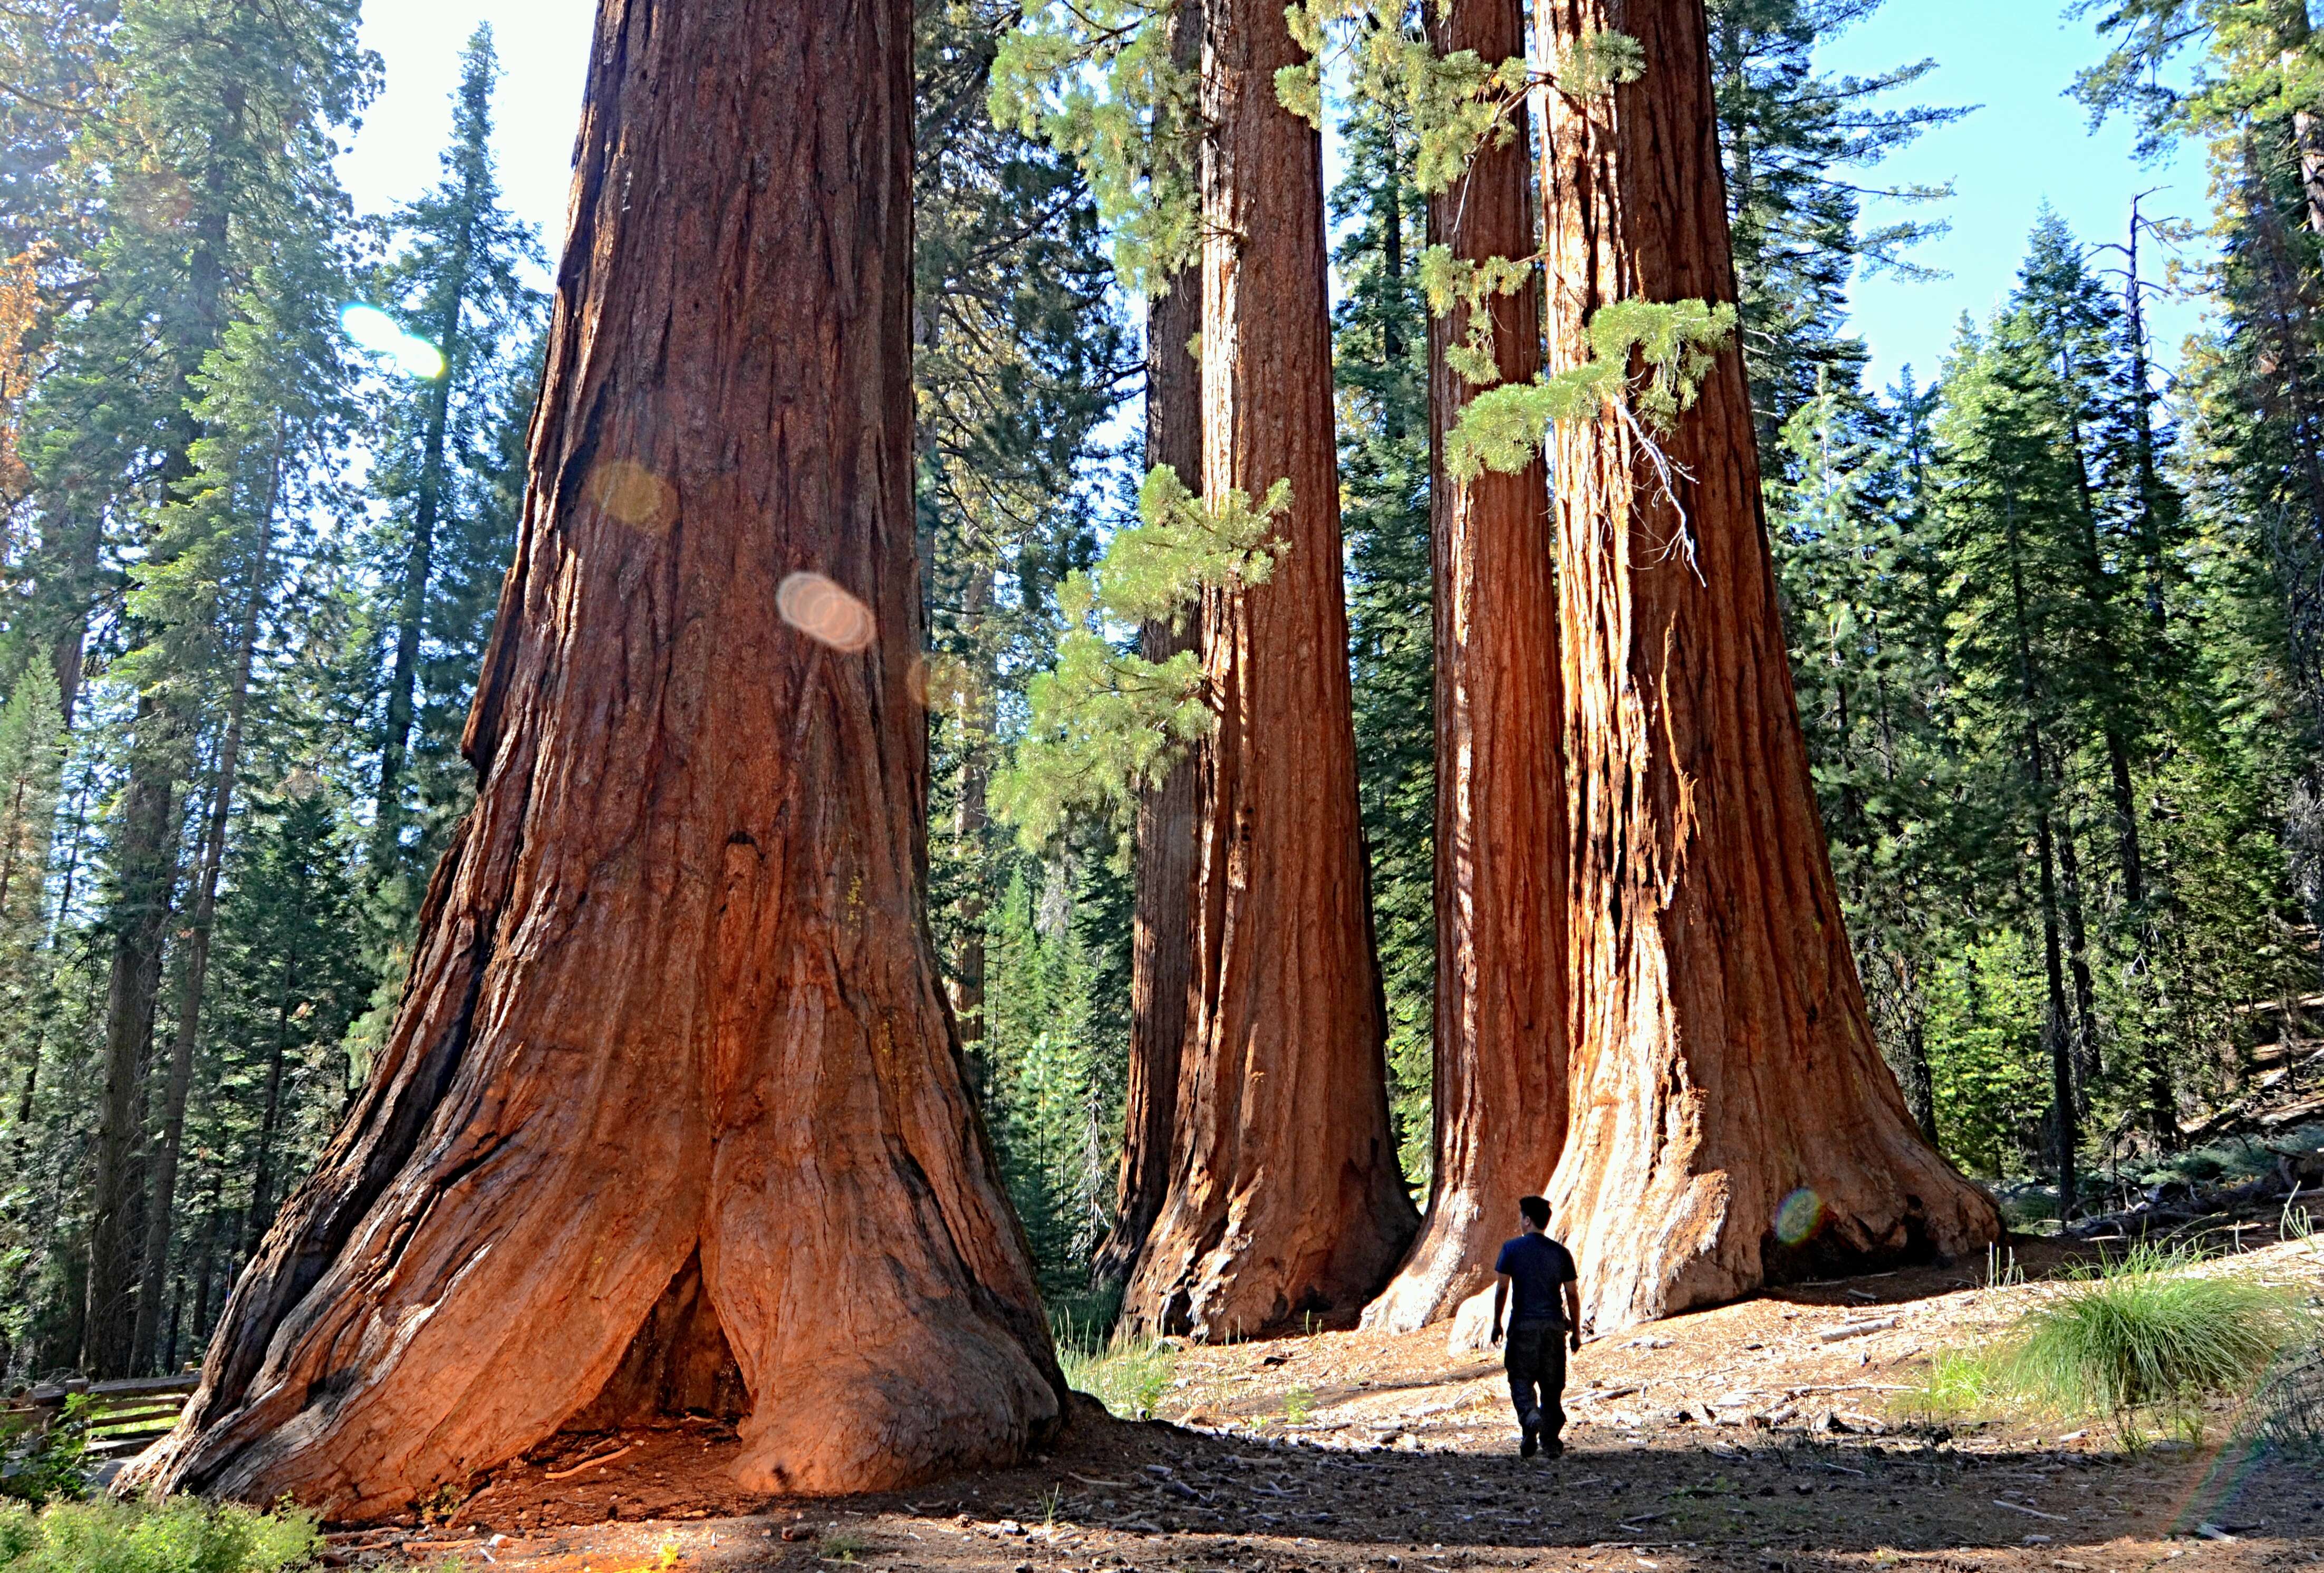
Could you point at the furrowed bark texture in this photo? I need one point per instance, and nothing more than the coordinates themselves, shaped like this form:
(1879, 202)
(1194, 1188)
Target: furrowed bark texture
(1499, 1103)
(1732, 1121)
(1285, 1197)
(1162, 940)
(671, 1066)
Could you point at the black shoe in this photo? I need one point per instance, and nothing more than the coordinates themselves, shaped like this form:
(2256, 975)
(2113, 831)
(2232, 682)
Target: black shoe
(1528, 1442)
(1552, 1447)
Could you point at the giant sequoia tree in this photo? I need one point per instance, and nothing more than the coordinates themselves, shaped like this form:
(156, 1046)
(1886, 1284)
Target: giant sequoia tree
(1284, 1196)
(1733, 1122)
(1500, 1103)
(671, 1113)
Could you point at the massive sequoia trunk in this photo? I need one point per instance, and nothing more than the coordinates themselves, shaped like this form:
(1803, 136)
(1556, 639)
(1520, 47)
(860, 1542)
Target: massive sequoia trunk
(1284, 1196)
(1162, 942)
(1732, 1121)
(1501, 856)
(672, 1084)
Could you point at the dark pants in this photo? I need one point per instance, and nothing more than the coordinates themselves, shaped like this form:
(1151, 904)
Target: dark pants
(1534, 1355)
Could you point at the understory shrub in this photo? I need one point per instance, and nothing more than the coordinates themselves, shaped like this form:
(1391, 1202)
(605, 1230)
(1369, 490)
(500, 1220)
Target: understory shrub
(182, 1535)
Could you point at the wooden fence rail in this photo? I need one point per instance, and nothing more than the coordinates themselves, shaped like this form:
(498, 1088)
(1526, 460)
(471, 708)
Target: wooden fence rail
(118, 1418)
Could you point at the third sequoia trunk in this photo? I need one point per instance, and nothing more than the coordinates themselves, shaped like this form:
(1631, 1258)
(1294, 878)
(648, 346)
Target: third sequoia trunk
(671, 1113)
(1500, 1098)
(1733, 1123)
(1284, 1197)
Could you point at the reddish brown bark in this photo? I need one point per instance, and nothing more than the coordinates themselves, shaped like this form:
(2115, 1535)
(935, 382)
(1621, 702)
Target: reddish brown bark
(672, 1069)
(1284, 1196)
(1499, 1103)
(1723, 1058)
(1162, 941)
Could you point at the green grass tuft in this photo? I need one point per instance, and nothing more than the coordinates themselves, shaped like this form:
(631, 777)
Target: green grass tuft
(2144, 1331)
(2140, 1334)
(1959, 1384)
(1129, 1379)
(183, 1535)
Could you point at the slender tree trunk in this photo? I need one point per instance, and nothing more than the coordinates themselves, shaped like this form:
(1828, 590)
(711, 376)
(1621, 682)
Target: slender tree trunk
(1163, 996)
(674, 1018)
(418, 571)
(68, 649)
(2071, 909)
(1501, 855)
(972, 817)
(2059, 1034)
(1284, 1197)
(161, 1219)
(148, 870)
(1733, 1123)
(1913, 1077)
(2294, 32)
(261, 1213)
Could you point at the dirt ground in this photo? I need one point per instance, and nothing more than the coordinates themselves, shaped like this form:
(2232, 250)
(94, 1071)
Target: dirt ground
(1734, 1439)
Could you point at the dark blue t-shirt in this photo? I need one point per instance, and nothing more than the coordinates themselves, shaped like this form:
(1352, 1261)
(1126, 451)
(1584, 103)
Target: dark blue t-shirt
(1536, 1265)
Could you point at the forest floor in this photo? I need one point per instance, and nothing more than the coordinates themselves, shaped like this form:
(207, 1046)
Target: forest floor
(1737, 1439)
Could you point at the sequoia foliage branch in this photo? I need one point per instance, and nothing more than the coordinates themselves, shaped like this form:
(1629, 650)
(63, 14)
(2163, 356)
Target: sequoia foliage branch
(1106, 724)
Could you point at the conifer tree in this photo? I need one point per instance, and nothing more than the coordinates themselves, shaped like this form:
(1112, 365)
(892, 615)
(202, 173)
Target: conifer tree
(458, 285)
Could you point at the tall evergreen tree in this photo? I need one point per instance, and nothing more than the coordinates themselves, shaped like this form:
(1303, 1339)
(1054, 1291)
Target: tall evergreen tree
(458, 283)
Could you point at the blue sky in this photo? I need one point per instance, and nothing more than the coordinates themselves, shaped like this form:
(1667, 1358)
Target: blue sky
(2027, 144)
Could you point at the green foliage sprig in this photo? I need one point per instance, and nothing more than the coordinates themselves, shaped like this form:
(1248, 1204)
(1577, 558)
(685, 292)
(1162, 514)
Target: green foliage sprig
(1459, 103)
(1097, 80)
(1647, 363)
(1105, 724)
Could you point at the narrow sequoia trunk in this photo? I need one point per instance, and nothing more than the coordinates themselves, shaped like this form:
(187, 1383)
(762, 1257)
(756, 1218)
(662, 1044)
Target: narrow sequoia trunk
(1162, 940)
(672, 1084)
(1733, 1123)
(1501, 857)
(1284, 1196)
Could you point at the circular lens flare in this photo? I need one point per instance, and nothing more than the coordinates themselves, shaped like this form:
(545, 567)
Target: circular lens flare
(825, 612)
(1798, 1216)
(374, 330)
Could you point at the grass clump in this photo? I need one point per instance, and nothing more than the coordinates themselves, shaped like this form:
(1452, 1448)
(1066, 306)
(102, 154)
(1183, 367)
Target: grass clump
(1128, 1378)
(1959, 1384)
(2138, 1335)
(182, 1535)
(2144, 1332)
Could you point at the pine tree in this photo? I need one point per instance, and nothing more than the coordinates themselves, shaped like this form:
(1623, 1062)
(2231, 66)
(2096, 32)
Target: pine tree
(1795, 143)
(458, 285)
(1380, 361)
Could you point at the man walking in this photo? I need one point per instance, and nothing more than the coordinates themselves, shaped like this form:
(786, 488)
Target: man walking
(1547, 1320)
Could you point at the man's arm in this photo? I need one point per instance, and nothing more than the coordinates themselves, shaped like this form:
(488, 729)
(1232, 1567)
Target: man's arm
(1500, 1301)
(1573, 1314)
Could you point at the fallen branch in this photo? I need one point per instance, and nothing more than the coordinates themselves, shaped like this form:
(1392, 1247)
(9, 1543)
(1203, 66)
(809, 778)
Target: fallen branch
(1856, 1329)
(2034, 1511)
(586, 1463)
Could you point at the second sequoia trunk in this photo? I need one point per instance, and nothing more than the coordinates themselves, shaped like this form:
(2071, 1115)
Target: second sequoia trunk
(1162, 942)
(671, 1113)
(1733, 1123)
(1499, 1101)
(1284, 1194)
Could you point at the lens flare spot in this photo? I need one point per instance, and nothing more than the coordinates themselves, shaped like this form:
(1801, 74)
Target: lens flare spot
(825, 612)
(374, 330)
(633, 496)
(1798, 1215)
